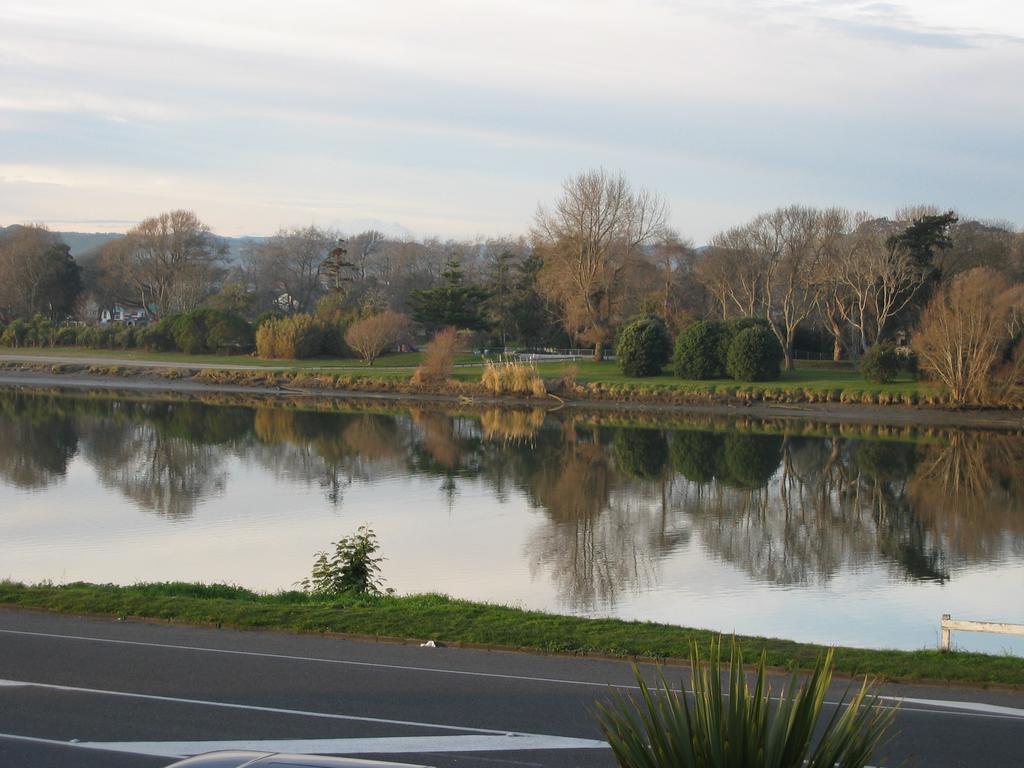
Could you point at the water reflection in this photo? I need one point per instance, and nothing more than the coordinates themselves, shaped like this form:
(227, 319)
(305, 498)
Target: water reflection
(783, 504)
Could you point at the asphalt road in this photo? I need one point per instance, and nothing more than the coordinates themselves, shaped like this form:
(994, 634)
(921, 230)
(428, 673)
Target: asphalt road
(96, 692)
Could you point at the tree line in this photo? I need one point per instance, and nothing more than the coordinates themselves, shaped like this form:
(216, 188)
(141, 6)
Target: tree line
(825, 280)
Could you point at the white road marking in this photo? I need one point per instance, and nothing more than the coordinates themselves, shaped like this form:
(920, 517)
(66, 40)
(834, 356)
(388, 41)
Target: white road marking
(257, 708)
(965, 709)
(393, 745)
(970, 706)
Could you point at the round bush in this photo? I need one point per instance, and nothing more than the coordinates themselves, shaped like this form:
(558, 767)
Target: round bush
(230, 333)
(158, 337)
(700, 351)
(643, 347)
(880, 364)
(742, 323)
(754, 355)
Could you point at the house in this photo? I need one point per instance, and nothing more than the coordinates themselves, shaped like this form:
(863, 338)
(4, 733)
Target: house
(129, 315)
(286, 303)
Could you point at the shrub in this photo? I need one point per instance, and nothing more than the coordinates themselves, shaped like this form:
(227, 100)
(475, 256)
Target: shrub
(289, 338)
(272, 314)
(352, 568)
(374, 335)
(880, 364)
(105, 338)
(125, 338)
(158, 337)
(966, 338)
(189, 331)
(742, 323)
(701, 351)
(643, 347)
(743, 726)
(15, 334)
(66, 336)
(754, 355)
(512, 378)
(439, 357)
(230, 333)
(332, 338)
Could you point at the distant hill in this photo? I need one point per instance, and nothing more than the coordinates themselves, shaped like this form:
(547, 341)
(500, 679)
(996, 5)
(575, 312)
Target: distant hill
(84, 244)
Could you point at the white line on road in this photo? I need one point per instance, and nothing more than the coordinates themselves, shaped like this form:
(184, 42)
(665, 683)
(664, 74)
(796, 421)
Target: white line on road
(387, 745)
(934, 706)
(257, 708)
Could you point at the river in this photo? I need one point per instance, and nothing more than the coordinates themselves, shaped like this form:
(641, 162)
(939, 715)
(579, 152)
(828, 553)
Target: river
(853, 535)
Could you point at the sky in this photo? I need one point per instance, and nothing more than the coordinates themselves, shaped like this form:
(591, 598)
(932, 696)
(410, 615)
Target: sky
(456, 118)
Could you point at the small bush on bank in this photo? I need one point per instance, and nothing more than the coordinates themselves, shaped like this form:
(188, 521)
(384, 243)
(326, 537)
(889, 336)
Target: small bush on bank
(372, 336)
(230, 333)
(158, 337)
(66, 336)
(643, 347)
(880, 364)
(754, 355)
(438, 357)
(512, 378)
(700, 351)
(15, 334)
(353, 567)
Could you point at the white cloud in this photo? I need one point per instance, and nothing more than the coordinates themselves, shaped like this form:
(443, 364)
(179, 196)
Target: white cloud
(457, 116)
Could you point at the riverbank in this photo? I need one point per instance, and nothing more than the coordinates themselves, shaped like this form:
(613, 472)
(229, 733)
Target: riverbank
(293, 392)
(460, 622)
(580, 379)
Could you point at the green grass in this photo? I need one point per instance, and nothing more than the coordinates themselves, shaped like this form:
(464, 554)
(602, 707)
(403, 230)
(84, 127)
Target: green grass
(816, 376)
(440, 618)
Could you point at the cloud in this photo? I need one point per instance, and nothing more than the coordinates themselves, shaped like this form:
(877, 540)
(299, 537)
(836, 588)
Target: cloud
(457, 117)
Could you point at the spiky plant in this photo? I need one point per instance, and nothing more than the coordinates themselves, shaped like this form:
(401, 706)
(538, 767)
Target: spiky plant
(743, 727)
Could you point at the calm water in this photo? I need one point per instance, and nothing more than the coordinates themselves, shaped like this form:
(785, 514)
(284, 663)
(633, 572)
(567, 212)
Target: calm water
(779, 529)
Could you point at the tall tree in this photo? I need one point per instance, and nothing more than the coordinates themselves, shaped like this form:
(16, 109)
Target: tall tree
(39, 275)
(288, 264)
(454, 302)
(171, 261)
(596, 227)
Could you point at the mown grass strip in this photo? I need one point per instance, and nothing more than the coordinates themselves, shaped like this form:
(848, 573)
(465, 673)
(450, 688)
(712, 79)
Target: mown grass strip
(440, 618)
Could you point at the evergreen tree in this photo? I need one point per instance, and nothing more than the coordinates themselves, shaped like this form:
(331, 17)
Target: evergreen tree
(451, 303)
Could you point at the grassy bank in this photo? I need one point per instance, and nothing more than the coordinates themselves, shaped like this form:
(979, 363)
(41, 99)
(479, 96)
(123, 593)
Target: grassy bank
(435, 617)
(583, 380)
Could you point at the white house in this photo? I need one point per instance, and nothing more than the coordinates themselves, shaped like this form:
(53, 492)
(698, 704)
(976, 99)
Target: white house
(131, 315)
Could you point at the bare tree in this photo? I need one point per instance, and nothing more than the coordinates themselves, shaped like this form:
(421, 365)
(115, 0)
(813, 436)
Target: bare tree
(767, 268)
(964, 332)
(375, 334)
(738, 272)
(877, 279)
(170, 261)
(595, 227)
(288, 264)
(361, 250)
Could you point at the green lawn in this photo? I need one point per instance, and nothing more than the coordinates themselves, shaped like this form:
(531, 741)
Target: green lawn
(816, 376)
(440, 618)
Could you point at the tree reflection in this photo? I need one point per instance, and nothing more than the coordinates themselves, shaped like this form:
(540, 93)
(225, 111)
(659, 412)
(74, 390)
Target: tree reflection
(612, 503)
(38, 438)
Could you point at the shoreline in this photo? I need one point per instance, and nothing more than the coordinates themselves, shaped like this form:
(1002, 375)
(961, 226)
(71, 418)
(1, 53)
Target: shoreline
(464, 623)
(184, 380)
